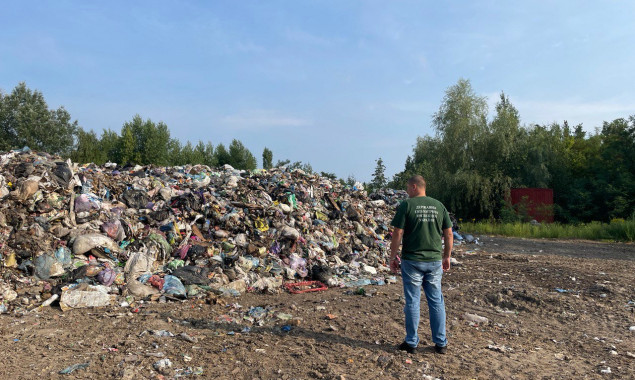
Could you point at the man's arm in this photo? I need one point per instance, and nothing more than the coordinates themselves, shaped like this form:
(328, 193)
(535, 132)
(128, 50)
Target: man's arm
(397, 235)
(448, 238)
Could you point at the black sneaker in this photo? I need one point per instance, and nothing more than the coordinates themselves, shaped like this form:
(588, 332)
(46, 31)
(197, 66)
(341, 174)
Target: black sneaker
(406, 347)
(440, 349)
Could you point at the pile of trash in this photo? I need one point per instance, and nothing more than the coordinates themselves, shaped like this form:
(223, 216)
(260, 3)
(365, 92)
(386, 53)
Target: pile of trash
(88, 235)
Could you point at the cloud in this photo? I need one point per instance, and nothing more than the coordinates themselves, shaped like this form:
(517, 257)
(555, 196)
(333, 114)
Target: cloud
(301, 36)
(416, 106)
(249, 47)
(262, 119)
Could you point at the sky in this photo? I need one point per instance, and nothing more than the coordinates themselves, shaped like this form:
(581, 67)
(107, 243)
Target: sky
(334, 83)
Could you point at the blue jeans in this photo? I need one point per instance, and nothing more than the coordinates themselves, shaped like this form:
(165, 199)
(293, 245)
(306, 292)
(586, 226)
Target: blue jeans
(414, 275)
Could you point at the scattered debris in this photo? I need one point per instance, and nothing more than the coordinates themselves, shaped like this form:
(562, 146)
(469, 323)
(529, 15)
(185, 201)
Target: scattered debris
(474, 318)
(499, 348)
(74, 367)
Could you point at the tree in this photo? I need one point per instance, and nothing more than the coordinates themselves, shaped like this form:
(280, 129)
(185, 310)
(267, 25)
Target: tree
(462, 163)
(453, 161)
(499, 156)
(198, 156)
(88, 148)
(222, 155)
(379, 177)
(350, 181)
(282, 163)
(329, 175)
(109, 145)
(147, 142)
(471, 165)
(155, 145)
(187, 154)
(614, 187)
(128, 142)
(240, 157)
(25, 120)
(174, 152)
(210, 158)
(461, 122)
(267, 158)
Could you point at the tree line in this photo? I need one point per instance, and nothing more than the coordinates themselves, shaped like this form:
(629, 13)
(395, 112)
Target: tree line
(145, 142)
(472, 163)
(26, 120)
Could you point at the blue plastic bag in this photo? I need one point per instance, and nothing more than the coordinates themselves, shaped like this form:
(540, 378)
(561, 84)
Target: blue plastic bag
(174, 286)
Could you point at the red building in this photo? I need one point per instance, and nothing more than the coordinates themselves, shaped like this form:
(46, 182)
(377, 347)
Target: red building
(539, 202)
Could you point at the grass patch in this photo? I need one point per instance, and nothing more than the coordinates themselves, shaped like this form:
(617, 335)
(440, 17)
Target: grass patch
(617, 230)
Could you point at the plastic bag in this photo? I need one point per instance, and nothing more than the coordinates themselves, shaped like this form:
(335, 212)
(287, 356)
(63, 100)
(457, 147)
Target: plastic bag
(181, 252)
(174, 286)
(88, 296)
(83, 203)
(298, 264)
(107, 276)
(156, 281)
(114, 230)
(47, 266)
(62, 173)
(85, 243)
(135, 198)
(192, 275)
(63, 256)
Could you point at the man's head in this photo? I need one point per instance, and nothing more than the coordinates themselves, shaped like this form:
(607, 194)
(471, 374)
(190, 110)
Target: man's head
(416, 186)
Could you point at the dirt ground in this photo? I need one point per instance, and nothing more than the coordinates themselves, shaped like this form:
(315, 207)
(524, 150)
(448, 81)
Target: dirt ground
(533, 331)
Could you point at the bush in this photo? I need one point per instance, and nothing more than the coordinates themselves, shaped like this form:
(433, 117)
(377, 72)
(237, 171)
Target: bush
(617, 230)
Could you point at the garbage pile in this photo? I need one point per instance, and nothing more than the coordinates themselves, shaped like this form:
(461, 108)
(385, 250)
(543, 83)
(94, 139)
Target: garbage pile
(88, 235)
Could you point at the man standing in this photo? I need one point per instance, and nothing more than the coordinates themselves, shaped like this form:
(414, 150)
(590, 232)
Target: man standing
(421, 221)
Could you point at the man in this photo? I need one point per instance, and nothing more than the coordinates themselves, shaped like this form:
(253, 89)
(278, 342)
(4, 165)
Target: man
(421, 221)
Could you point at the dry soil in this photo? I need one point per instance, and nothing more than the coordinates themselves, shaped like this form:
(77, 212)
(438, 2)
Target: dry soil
(555, 310)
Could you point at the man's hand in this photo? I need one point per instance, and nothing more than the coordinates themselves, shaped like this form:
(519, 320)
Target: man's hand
(446, 264)
(395, 264)
(397, 235)
(448, 239)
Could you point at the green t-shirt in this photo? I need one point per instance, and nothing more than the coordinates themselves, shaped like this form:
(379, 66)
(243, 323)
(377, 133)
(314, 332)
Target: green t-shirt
(423, 220)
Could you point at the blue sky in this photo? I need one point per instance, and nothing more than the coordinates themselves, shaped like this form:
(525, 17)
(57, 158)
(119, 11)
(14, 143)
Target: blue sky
(333, 83)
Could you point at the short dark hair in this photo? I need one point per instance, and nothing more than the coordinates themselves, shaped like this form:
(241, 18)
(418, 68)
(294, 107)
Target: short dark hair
(417, 180)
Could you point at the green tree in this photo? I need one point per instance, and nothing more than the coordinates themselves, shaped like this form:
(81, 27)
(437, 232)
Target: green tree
(222, 155)
(305, 167)
(467, 163)
(536, 149)
(148, 142)
(379, 176)
(350, 180)
(198, 156)
(210, 157)
(156, 141)
(282, 163)
(187, 154)
(25, 120)
(109, 145)
(174, 152)
(88, 148)
(267, 158)
(455, 177)
(329, 175)
(614, 187)
(499, 155)
(240, 157)
(471, 165)
(461, 122)
(127, 153)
